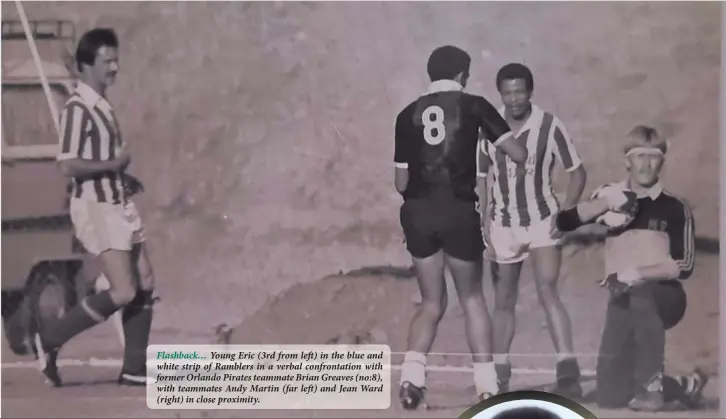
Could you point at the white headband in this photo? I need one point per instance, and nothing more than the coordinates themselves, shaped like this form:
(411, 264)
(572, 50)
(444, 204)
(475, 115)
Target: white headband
(645, 150)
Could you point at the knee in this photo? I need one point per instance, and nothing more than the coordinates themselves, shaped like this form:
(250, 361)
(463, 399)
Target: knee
(432, 310)
(506, 301)
(122, 295)
(474, 302)
(146, 279)
(547, 291)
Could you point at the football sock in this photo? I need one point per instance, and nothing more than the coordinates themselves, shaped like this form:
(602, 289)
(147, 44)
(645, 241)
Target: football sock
(562, 356)
(137, 317)
(501, 358)
(503, 368)
(413, 369)
(90, 311)
(485, 378)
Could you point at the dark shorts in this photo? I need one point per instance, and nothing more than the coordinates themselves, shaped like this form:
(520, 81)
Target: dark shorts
(448, 224)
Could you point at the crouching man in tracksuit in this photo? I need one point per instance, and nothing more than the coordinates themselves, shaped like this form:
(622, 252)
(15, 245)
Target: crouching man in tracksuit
(645, 262)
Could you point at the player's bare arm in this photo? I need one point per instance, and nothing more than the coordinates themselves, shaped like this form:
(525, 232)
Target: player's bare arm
(586, 212)
(578, 179)
(482, 188)
(401, 157)
(80, 168)
(567, 155)
(496, 130)
(71, 163)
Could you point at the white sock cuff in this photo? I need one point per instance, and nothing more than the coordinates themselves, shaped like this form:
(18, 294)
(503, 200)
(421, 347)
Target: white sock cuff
(501, 359)
(413, 356)
(485, 378)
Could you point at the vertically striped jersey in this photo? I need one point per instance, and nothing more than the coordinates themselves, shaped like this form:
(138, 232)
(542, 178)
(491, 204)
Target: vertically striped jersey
(523, 194)
(437, 138)
(90, 131)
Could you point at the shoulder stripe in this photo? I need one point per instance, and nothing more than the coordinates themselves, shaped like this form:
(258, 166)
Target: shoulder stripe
(689, 252)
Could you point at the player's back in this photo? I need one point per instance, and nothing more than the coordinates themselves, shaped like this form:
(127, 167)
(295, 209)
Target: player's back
(440, 131)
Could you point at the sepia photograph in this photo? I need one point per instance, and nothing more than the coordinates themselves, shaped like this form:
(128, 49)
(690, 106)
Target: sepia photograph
(227, 209)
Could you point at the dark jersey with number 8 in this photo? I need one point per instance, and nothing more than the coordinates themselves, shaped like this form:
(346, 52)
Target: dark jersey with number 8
(437, 138)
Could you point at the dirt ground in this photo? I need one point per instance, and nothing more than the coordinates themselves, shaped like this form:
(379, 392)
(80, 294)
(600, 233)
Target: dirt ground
(263, 134)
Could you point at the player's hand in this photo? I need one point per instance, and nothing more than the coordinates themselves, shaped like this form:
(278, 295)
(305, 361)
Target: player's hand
(132, 185)
(614, 285)
(555, 232)
(619, 283)
(625, 201)
(123, 159)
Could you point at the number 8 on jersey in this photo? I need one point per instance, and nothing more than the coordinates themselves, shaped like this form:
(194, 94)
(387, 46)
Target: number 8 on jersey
(434, 130)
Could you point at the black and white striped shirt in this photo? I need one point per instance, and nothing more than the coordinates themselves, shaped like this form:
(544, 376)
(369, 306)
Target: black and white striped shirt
(522, 196)
(90, 131)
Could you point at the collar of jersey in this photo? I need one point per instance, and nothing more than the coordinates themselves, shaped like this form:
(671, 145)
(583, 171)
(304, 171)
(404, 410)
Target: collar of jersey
(88, 95)
(534, 116)
(653, 192)
(445, 86)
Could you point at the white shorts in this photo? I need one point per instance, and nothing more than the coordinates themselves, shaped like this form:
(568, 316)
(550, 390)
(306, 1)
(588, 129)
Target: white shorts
(512, 244)
(102, 226)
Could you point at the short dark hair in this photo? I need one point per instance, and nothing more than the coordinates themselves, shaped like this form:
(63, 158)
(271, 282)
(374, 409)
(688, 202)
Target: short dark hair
(527, 413)
(91, 42)
(447, 62)
(515, 71)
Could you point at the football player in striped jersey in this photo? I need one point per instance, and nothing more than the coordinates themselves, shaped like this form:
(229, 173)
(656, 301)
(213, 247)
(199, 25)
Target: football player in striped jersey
(517, 221)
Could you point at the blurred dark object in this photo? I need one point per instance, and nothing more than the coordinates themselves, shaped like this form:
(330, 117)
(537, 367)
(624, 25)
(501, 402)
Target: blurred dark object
(132, 185)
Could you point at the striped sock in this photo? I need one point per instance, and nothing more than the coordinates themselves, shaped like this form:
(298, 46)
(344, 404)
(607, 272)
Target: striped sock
(89, 312)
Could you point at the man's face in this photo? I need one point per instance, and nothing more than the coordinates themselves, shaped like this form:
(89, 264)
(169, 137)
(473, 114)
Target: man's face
(105, 68)
(644, 168)
(515, 97)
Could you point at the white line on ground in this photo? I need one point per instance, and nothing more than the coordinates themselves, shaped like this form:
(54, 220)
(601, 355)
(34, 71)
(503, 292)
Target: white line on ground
(111, 362)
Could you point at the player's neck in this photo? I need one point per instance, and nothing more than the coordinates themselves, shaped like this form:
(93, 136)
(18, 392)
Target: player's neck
(97, 86)
(641, 190)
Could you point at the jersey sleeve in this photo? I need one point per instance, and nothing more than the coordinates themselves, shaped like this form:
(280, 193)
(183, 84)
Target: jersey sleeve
(72, 121)
(402, 152)
(681, 235)
(563, 148)
(493, 126)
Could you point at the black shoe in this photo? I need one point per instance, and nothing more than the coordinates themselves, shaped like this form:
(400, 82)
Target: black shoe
(410, 395)
(568, 380)
(572, 390)
(47, 361)
(693, 386)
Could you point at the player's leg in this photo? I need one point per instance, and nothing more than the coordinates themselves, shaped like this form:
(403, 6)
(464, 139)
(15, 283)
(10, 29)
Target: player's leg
(418, 222)
(616, 360)
(137, 316)
(505, 277)
(463, 247)
(101, 229)
(546, 263)
(506, 266)
(670, 301)
(649, 349)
